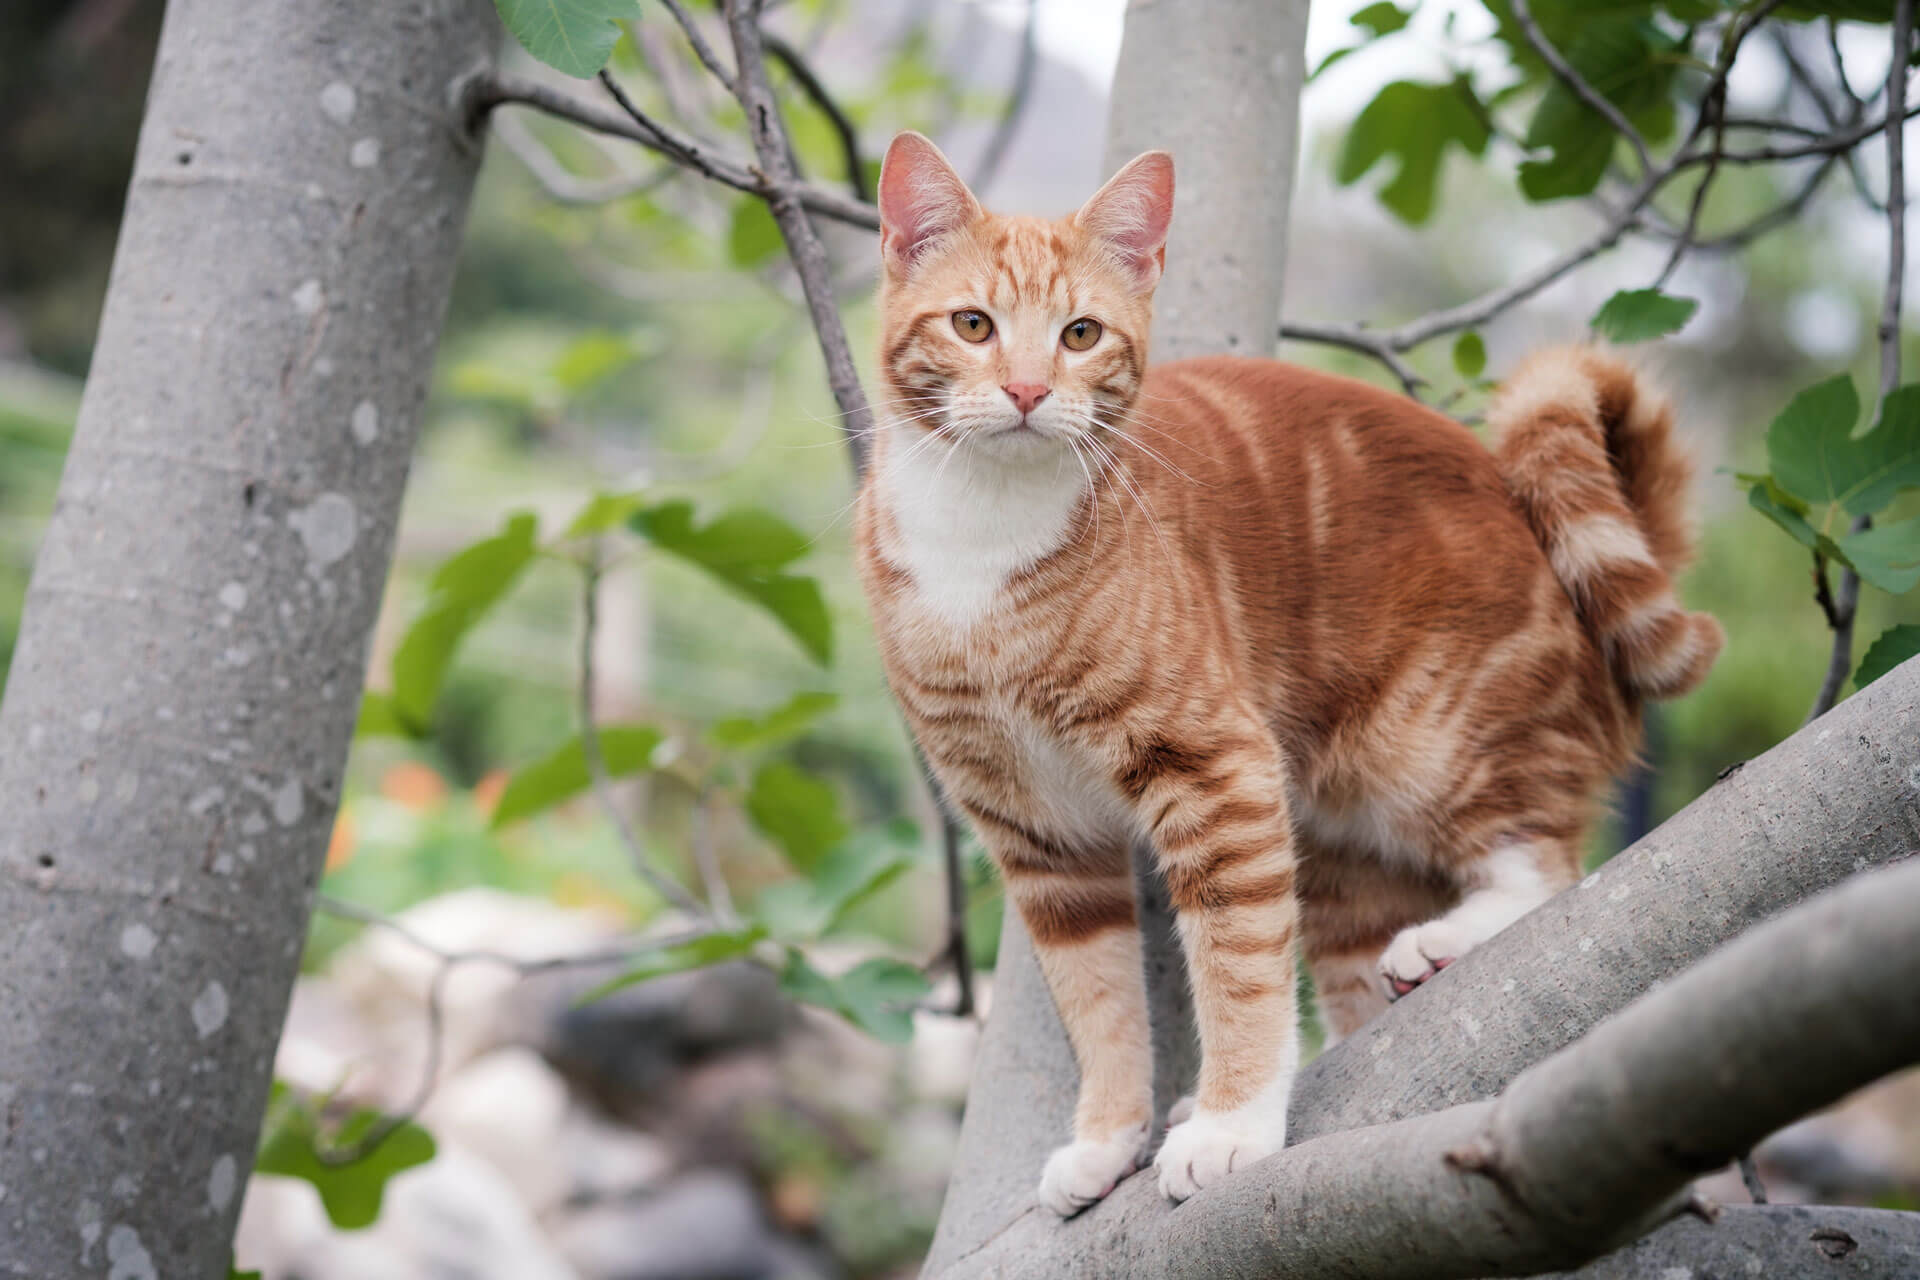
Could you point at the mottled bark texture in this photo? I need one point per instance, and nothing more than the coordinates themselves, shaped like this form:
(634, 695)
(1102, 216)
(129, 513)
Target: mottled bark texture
(179, 709)
(1587, 1149)
(1218, 84)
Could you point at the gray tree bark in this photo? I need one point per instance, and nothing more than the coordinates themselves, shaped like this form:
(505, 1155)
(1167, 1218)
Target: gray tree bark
(1586, 1149)
(1217, 84)
(188, 674)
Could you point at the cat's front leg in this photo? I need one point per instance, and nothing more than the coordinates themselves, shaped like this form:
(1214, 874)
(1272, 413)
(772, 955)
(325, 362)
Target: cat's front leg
(1079, 912)
(1214, 801)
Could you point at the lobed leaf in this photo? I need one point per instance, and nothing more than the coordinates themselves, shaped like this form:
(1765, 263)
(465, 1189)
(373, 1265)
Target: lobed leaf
(1816, 456)
(1414, 123)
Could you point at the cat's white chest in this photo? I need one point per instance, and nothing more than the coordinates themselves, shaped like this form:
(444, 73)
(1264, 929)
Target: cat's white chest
(965, 521)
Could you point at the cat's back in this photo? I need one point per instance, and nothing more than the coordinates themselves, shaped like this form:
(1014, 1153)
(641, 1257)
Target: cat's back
(1244, 404)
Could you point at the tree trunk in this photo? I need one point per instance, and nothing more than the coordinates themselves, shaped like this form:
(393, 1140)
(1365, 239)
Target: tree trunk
(1218, 85)
(179, 709)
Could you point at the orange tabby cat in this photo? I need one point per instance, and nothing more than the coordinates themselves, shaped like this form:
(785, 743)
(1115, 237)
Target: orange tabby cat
(1360, 680)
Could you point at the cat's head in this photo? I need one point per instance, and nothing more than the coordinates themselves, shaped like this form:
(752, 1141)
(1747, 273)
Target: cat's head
(1012, 333)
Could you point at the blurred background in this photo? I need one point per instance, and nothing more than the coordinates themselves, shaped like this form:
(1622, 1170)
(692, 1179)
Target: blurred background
(618, 327)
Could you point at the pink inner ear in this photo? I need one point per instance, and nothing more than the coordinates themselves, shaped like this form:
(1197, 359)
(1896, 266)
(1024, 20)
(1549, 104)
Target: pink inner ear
(921, 199)
(1133, 211)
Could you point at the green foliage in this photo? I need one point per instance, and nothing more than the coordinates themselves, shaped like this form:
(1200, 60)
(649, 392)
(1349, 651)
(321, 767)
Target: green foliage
(747, 549)
(697, 953)
(1628, 61)
(1895, 646)
(1470, 355)
(845, 877)
(1635, 315)
(624, 750)
(459, 595)
(878, 996)
(1382, 19)
(796, 811)
(605, 511)
(794, 717)
(293, 1145)
(1416, 123)
(1816, 456)
(753, 237)
(1824, 478)
(572, 36)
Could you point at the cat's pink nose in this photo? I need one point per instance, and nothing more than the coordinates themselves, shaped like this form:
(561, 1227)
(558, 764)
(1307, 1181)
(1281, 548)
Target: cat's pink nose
(1025, 395)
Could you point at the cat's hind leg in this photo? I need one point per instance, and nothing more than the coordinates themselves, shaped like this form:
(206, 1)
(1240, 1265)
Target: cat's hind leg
(1514, 877)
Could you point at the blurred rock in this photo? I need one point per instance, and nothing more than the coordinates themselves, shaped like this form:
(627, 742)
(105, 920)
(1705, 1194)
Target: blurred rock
(387, 977)
(704, 1226)
(451, 1217)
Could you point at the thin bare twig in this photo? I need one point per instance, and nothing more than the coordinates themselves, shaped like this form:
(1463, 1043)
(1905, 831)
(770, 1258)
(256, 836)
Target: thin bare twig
(596, 762)
(1578, 86)
(1359, 338)
(698, 39)
(496, 88)
(995, 152)
(1846, 603)
(1714, 104)
(817, 93)
(562, 184)
(782, 192)
(707, 858)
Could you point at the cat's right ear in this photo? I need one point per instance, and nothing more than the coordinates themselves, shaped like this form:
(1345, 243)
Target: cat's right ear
(921, 199)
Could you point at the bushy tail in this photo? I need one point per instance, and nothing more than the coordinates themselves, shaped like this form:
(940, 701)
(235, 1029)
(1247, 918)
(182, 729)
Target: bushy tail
(1587, 448)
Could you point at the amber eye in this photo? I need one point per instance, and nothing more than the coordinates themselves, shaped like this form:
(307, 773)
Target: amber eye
(1081, 334)
(972, 325)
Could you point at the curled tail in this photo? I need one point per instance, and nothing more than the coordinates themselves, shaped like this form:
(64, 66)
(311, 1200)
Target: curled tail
(1587, 449)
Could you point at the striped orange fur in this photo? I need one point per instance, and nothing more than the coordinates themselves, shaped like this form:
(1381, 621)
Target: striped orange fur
(1360, 681)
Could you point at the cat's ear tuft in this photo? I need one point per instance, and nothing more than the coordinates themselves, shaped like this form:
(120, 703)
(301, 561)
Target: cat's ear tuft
(921, 200)
(1131, 215)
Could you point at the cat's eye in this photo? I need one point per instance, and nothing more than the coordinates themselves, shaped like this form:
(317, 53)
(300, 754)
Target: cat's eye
(1081, 334)
(972, 325)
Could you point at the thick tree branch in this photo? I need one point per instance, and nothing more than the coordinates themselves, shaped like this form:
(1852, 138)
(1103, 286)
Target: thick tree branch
(1593, 1146)
(498, 87)
(1805, 816)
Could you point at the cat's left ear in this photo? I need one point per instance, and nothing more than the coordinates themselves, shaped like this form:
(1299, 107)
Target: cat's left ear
(1131, 214)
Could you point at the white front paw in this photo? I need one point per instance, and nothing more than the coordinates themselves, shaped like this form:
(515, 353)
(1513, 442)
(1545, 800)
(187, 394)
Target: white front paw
(1206, 1148)
(1082, 1172)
